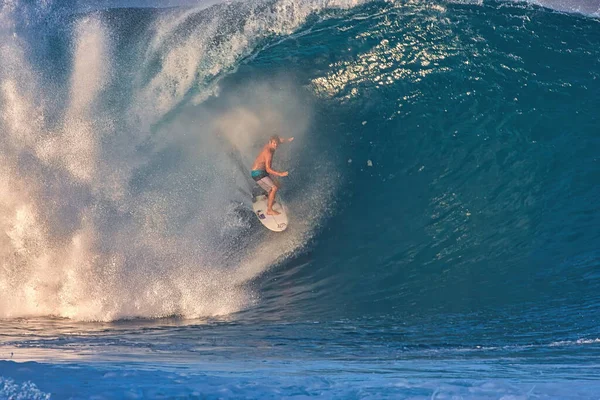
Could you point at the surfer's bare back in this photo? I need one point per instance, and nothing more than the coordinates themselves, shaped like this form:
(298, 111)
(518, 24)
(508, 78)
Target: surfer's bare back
(261, 170)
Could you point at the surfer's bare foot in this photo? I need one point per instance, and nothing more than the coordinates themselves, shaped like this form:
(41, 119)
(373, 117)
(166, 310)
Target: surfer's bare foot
(272, 212)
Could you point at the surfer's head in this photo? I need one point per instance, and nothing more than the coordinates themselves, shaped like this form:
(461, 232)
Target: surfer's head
(274, 141)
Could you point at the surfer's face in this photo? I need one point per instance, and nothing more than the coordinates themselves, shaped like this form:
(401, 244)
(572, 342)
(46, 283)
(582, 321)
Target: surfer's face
(274, 144)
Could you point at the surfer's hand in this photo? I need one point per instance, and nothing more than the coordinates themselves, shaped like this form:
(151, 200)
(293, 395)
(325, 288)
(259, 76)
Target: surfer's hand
(284, 173)
(290, 139)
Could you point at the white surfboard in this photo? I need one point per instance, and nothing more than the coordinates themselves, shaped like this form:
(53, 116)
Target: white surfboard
(276, 223)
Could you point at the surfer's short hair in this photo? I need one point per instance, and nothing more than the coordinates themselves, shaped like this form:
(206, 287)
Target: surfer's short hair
(275, 138)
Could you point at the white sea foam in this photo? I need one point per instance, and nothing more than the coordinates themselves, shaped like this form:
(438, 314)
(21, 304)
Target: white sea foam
(24, 391)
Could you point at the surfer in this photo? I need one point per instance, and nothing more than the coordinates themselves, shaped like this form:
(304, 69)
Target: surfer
(261, 169)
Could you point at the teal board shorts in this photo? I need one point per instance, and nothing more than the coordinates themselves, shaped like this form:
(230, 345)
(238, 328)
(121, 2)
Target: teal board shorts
(263, 179)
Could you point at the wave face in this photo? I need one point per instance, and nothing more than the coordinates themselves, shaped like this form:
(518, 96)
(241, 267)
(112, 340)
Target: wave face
(445, 161)
(465, 141)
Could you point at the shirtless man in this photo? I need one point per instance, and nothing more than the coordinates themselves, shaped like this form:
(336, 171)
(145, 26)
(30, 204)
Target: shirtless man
(261, 169)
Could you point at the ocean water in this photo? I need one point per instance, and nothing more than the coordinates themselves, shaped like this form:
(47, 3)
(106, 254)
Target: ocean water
(443, 195)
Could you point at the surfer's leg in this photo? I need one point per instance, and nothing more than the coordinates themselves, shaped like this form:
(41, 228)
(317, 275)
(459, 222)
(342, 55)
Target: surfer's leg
(270, 210)
(271, 188)
(266, 184)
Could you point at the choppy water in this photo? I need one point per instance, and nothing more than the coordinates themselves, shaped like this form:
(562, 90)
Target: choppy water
(443, 188)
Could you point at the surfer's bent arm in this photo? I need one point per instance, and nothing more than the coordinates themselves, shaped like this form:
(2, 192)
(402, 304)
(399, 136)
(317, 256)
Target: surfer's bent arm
(271, 170)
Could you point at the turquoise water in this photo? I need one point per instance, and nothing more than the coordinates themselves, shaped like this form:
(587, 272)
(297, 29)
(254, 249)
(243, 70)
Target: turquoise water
(443, 189)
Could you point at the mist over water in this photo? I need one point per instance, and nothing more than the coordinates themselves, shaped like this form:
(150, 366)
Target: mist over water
(121, 195)
(588, 7)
